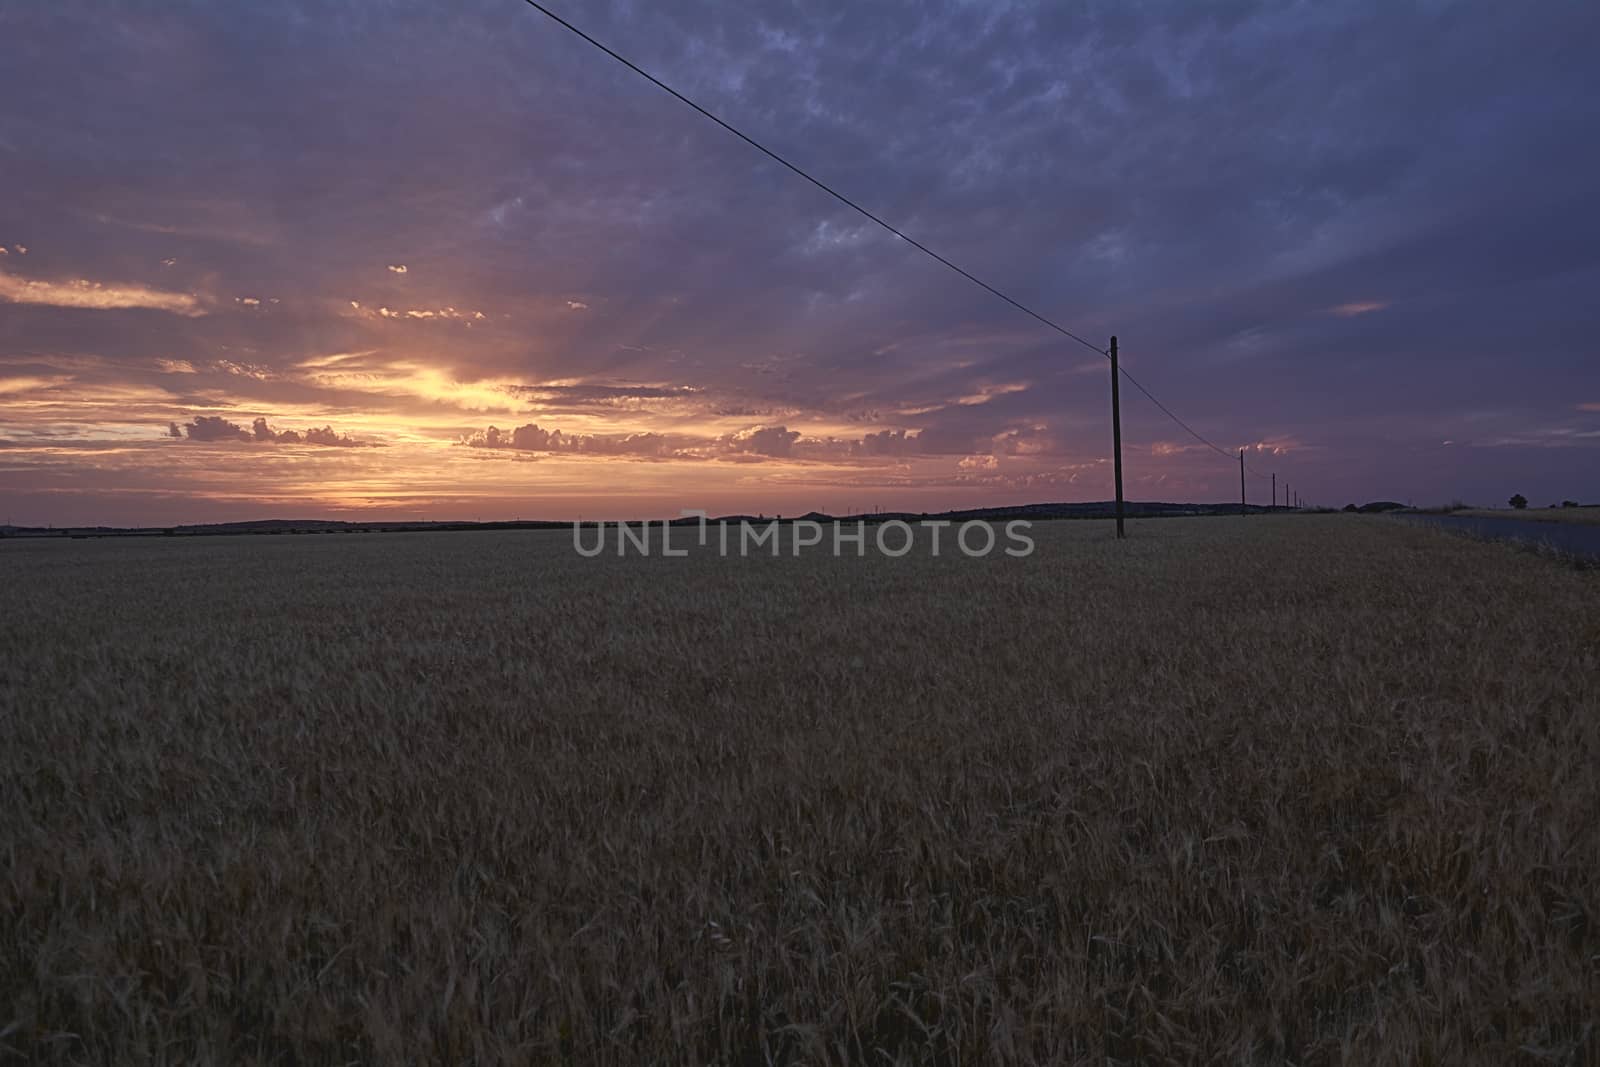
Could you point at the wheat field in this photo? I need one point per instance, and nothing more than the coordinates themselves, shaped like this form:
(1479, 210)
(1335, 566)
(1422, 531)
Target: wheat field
(1300, 789)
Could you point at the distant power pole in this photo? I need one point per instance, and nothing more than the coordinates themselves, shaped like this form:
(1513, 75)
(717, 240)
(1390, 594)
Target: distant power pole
(1274, 489)
(1116, 434)
(1244, 509)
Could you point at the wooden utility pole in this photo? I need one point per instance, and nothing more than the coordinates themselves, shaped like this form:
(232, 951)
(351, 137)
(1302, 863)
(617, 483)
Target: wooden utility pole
(1116, 434)
(1274, 489)
(1244, 509)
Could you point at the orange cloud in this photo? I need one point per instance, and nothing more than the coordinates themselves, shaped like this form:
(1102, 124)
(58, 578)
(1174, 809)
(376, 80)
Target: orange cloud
(987, 393)
(371, 372)
(81, 293)
(29, 384)
(1274, 446)
(1360, 307)
(449, 314)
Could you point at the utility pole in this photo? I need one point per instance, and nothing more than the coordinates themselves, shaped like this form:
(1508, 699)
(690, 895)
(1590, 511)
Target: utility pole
(1244, 509)
(1116, 434)
(1274, 490)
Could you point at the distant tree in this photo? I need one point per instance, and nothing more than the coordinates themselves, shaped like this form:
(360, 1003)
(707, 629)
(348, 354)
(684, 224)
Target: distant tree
(1519, 501)
(1569, 503)
(1351, 507)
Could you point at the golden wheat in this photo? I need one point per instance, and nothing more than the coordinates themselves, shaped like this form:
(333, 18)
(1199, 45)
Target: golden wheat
(1281, 789)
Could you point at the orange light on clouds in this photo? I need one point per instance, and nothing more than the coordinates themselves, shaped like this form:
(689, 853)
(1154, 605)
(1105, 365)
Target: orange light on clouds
(82, 293)
(1363, 307)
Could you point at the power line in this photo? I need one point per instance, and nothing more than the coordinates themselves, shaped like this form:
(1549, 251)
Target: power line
(913, 242)
(1168, 411)
(752, 142)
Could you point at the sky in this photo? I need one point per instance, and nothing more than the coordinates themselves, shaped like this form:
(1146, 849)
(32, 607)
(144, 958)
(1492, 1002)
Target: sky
(404, 259)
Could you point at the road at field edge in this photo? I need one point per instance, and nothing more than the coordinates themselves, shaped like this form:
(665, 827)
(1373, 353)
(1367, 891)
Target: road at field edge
(1574, 540)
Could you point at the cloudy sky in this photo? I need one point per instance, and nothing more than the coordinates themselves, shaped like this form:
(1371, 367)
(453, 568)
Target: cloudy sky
(444, 259)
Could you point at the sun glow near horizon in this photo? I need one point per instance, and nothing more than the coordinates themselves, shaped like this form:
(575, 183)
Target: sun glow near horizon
(255, 287)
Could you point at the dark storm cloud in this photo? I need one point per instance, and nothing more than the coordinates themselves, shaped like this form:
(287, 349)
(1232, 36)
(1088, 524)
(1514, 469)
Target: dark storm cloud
(1363, 227)
(773, 441)
(214, 428)
(217, 428)
(535, 438)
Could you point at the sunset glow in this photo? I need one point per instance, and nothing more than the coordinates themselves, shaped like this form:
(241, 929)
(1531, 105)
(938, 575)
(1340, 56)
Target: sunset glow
(531, 286)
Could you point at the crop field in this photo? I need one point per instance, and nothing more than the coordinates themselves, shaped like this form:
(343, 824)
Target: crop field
(1308, 789)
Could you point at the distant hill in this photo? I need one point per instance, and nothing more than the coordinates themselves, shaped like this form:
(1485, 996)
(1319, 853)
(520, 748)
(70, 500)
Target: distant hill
(1089, 510)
